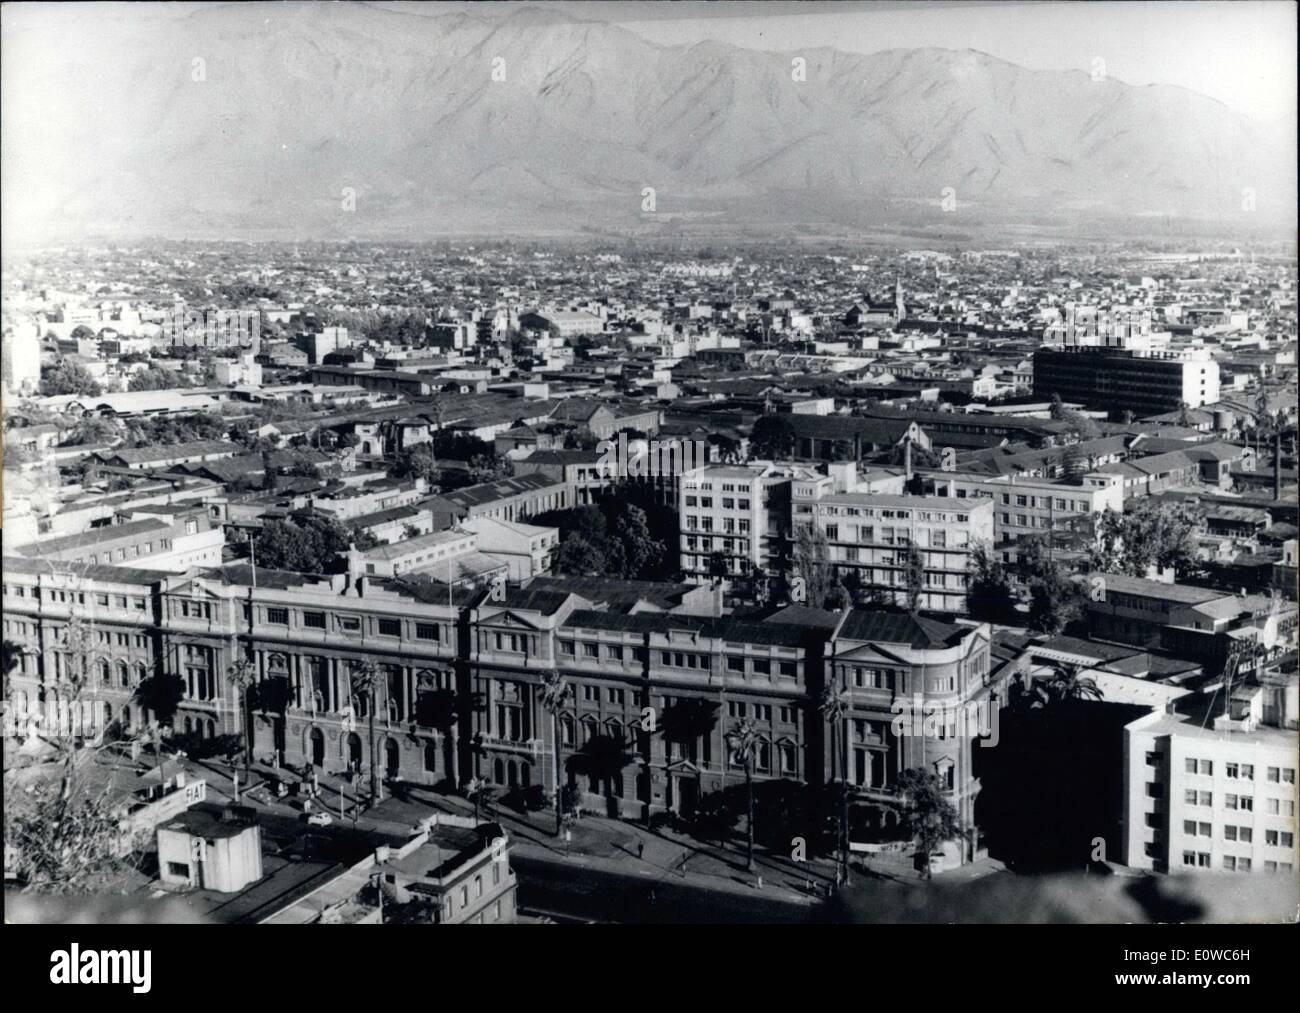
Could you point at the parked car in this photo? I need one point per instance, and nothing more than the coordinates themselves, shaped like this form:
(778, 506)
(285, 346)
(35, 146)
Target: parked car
(320, 819)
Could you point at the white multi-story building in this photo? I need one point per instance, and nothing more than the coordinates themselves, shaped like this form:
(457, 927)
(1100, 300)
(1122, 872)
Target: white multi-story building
(1027, 507)
(1215, 793)
(871, 533)
(20, 358)
(741, 511)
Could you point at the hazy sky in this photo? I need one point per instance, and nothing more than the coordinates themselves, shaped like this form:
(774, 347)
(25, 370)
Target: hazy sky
(1242, 53)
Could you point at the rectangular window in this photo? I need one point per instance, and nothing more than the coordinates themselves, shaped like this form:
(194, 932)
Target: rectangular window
(390, 627)
(278, 616)
(427, 631)
(314, 620)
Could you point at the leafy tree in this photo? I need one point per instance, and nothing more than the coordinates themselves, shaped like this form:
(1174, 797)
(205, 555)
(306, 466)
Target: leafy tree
(578, 557)
(718, 565)
(811, 565)
(603, 759)
(91, 429)
(306, 545)
(418, 461)
(1055, 599)
(639, 554)
(12, 657)
(72, 845)
(728, 449)
(929, 817)
(921, 457)
(773, 438)
(69, 377)
(443, 709)
(161, 695)
(176, 429)
(154, 378)
(1081, 427)
(989, 594)
(687, 721)
(1159, 534)
(914, 577)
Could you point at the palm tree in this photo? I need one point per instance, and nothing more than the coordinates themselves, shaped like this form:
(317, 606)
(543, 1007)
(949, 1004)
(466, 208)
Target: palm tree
(480, 793)
(743, 740)
(364, 678)
(835, 710)
(1069, 684)
(556, 694)
(242, 674)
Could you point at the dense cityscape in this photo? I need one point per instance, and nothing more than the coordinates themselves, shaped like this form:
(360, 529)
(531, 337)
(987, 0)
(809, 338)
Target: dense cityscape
(342, 556)
(648, 464)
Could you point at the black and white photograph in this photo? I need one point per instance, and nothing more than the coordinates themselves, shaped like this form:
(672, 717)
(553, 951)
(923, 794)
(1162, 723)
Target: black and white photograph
(666, 464)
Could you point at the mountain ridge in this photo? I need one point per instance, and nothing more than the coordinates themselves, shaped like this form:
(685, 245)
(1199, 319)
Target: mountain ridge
(300, 107)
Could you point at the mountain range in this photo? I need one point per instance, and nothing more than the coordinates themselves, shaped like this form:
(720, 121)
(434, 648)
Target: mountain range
(342, 120)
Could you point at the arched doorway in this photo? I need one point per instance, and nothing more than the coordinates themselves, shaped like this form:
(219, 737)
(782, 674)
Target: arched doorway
(498, 771)
(354, 751)
(392, 759)
(431, 757)
(512, 774)
(317, 747)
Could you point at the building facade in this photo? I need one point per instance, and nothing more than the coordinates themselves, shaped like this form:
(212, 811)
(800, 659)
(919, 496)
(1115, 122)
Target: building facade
(1147, 384)
(460, 677)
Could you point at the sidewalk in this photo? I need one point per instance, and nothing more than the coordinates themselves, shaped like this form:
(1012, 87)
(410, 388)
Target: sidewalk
(597, 842)
(633, 849)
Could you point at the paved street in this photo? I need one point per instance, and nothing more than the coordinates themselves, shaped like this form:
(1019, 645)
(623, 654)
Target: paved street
(604, 866)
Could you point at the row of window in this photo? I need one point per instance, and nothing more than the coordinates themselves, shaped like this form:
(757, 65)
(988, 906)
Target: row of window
(1239, 771)
(728, 503)
(352, 624)
(120, 601)
(1232, 863)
